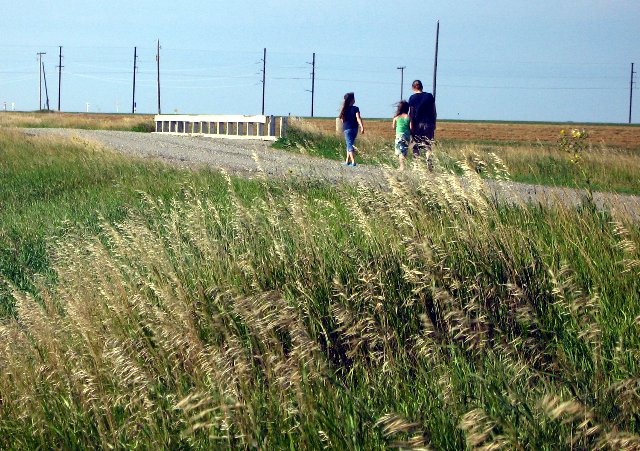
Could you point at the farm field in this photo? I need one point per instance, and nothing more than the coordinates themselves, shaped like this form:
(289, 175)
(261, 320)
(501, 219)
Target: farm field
(148, 305)
(611, 164)
(619, 136)
(612, 135)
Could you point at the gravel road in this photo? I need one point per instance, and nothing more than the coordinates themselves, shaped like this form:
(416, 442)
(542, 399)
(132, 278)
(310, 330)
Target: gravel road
(249, 157)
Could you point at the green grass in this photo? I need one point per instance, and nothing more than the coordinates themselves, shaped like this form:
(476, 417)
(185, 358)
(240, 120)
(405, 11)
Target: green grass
(314, 144)
(217, 312)
(602, 169)
(310, 142)
(52, 186)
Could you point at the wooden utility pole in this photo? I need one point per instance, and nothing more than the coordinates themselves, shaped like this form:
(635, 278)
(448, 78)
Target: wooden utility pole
(313, 80)
(59, 76)
(135, 67)
(402, 68)
(158, 65)
(40, 66)
(264, 72)
(46, 91)
(435, 64)
(631, 92)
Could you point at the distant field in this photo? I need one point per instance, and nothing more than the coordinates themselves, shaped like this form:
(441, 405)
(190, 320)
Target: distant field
(529, 150)
(100, 121)
(622, 136)
(613, 135)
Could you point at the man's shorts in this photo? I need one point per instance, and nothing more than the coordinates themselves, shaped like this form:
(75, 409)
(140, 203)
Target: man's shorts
(422, 142)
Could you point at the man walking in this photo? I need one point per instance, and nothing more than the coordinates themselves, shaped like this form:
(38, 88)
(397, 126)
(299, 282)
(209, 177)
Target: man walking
(422, 114)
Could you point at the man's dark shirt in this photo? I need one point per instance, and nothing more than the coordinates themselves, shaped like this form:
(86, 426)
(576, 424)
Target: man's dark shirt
(422, 111)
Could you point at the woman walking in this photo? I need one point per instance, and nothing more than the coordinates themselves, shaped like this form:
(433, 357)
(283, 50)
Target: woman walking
(351, 121)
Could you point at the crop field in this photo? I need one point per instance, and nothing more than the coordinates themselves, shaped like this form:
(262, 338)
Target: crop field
(616, 136)
(143, 305)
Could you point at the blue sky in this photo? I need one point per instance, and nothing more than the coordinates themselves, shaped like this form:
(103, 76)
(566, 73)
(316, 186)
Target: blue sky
(498, 60)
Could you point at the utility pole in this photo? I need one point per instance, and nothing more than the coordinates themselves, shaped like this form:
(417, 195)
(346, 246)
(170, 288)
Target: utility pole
(59, 76)
(158, 63)
(631, 92)
(264, 72)
(135, 57)
(402, 68)
(40, 66)
(313, 80)
(46, 91)
(435, 64)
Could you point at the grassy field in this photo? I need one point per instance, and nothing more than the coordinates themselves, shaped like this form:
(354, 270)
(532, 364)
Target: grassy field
(91, 121)
(602, 167)
(529, 150)
(614, 136)
(146, 306)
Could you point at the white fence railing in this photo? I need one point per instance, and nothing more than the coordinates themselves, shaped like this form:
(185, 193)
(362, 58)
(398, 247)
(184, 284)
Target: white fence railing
(233, 126)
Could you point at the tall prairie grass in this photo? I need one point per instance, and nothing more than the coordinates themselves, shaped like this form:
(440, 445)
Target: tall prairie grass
(305, 138)
(603, 168)
(50, 185)
(306, 317)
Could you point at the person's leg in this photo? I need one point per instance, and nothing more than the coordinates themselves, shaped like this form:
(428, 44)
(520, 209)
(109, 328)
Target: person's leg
(401, 146)
(415, 140)
(419, 145)
(422, 145)
(428, 151)
(401, 160)
(350, 137)
(351, 157)
(428, 141)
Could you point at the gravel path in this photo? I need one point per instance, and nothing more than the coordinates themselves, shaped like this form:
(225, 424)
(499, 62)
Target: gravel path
(248, 157)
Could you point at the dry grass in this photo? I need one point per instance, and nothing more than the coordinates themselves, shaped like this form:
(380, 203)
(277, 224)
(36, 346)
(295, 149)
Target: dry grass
(602, 167)
(423, 317)
(138, 122)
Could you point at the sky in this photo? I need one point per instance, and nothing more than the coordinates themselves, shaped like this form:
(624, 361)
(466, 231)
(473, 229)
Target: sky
(512, 60)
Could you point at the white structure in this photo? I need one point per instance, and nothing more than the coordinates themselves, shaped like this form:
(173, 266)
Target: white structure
(235, 126)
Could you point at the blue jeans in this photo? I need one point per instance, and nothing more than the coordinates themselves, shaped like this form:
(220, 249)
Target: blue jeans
(350, 137)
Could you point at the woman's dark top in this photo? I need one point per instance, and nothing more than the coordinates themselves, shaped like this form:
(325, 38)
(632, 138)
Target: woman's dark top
(349, 120)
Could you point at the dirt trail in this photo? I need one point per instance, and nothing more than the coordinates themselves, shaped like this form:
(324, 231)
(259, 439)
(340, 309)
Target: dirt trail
(250, 157)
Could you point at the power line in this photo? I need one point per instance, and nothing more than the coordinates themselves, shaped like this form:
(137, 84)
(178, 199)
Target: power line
(535, 88)
(631, 92)
(401, 68)
(264, 73)
(40, 67)
(158, 62)
(59, 76)
(313, 80)
(435, 62)
(135, 67)
(46, 91)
